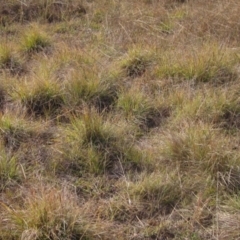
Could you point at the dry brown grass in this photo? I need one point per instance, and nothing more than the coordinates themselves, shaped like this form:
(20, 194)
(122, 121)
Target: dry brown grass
(119, 119)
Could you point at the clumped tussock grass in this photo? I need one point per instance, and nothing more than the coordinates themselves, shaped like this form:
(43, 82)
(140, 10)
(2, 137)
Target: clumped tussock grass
(218, 107)
(97, 146)
(136, 63)
(210, 64)
(88, 88)
(163, 191)
(200, 148)
(8, 61)
(13, 132)
(35, 40)
(42, 98)
(138, 107)
(10, 170)
(47, 213)
(230, 114)
(134, 105)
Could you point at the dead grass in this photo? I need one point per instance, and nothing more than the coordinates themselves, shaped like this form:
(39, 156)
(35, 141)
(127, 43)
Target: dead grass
(119, 120)
(50, 11)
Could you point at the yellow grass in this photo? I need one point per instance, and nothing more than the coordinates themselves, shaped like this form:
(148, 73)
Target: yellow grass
(119, 119)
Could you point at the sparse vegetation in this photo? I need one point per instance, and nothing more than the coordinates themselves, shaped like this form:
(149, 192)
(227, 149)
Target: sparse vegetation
(119, 120)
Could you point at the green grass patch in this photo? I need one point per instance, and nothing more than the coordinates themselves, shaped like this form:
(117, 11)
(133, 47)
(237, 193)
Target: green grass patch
(47, 213)
(208, 65)
(164, 194)
(13, 132)
(10, 171)
(41, 99)
(200, 148)
(9, 62)
(35, 40)
(98, 146)
(89, 89)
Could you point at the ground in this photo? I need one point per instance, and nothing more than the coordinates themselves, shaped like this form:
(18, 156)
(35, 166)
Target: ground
(119, 119)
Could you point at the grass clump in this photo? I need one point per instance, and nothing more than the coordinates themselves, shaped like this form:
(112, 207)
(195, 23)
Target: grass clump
(41, 99)
(136, 63)
(35, 40)
(209, 65)
(134, 103)
(230, 179)
(8, 61)
(99, 147)
(46, 213)
(230, 113)
(137, 106)
(165, 194)
(10, 170)
(200, 149)
(13, 132)
(91, 90)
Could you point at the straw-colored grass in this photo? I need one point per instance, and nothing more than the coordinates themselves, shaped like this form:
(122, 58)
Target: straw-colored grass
(119, 120)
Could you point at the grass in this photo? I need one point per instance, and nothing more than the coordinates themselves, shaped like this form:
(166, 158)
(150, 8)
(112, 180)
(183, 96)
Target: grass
(97, 146)
(210, 64)
(43, 10)
(136, 63)
(194, 146)
(43, 98)
(8, 61)
(10, 171)
(13, 132)
(162, 195)
(48, 213)
(119, 120)
(34, 40)
(87, 88)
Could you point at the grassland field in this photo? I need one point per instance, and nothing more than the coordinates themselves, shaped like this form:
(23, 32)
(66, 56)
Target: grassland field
(119, 120)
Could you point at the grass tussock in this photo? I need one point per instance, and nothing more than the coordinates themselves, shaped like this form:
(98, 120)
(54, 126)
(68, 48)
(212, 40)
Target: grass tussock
(41, 98)
(155, 189)
(46, 213)
(13, 132)
(135, 63)
(9, 62)
(10, 170)
(138, 107)
(208, 65)
(98, 147)
(119, 119)
(89, 89)
(35, 40)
